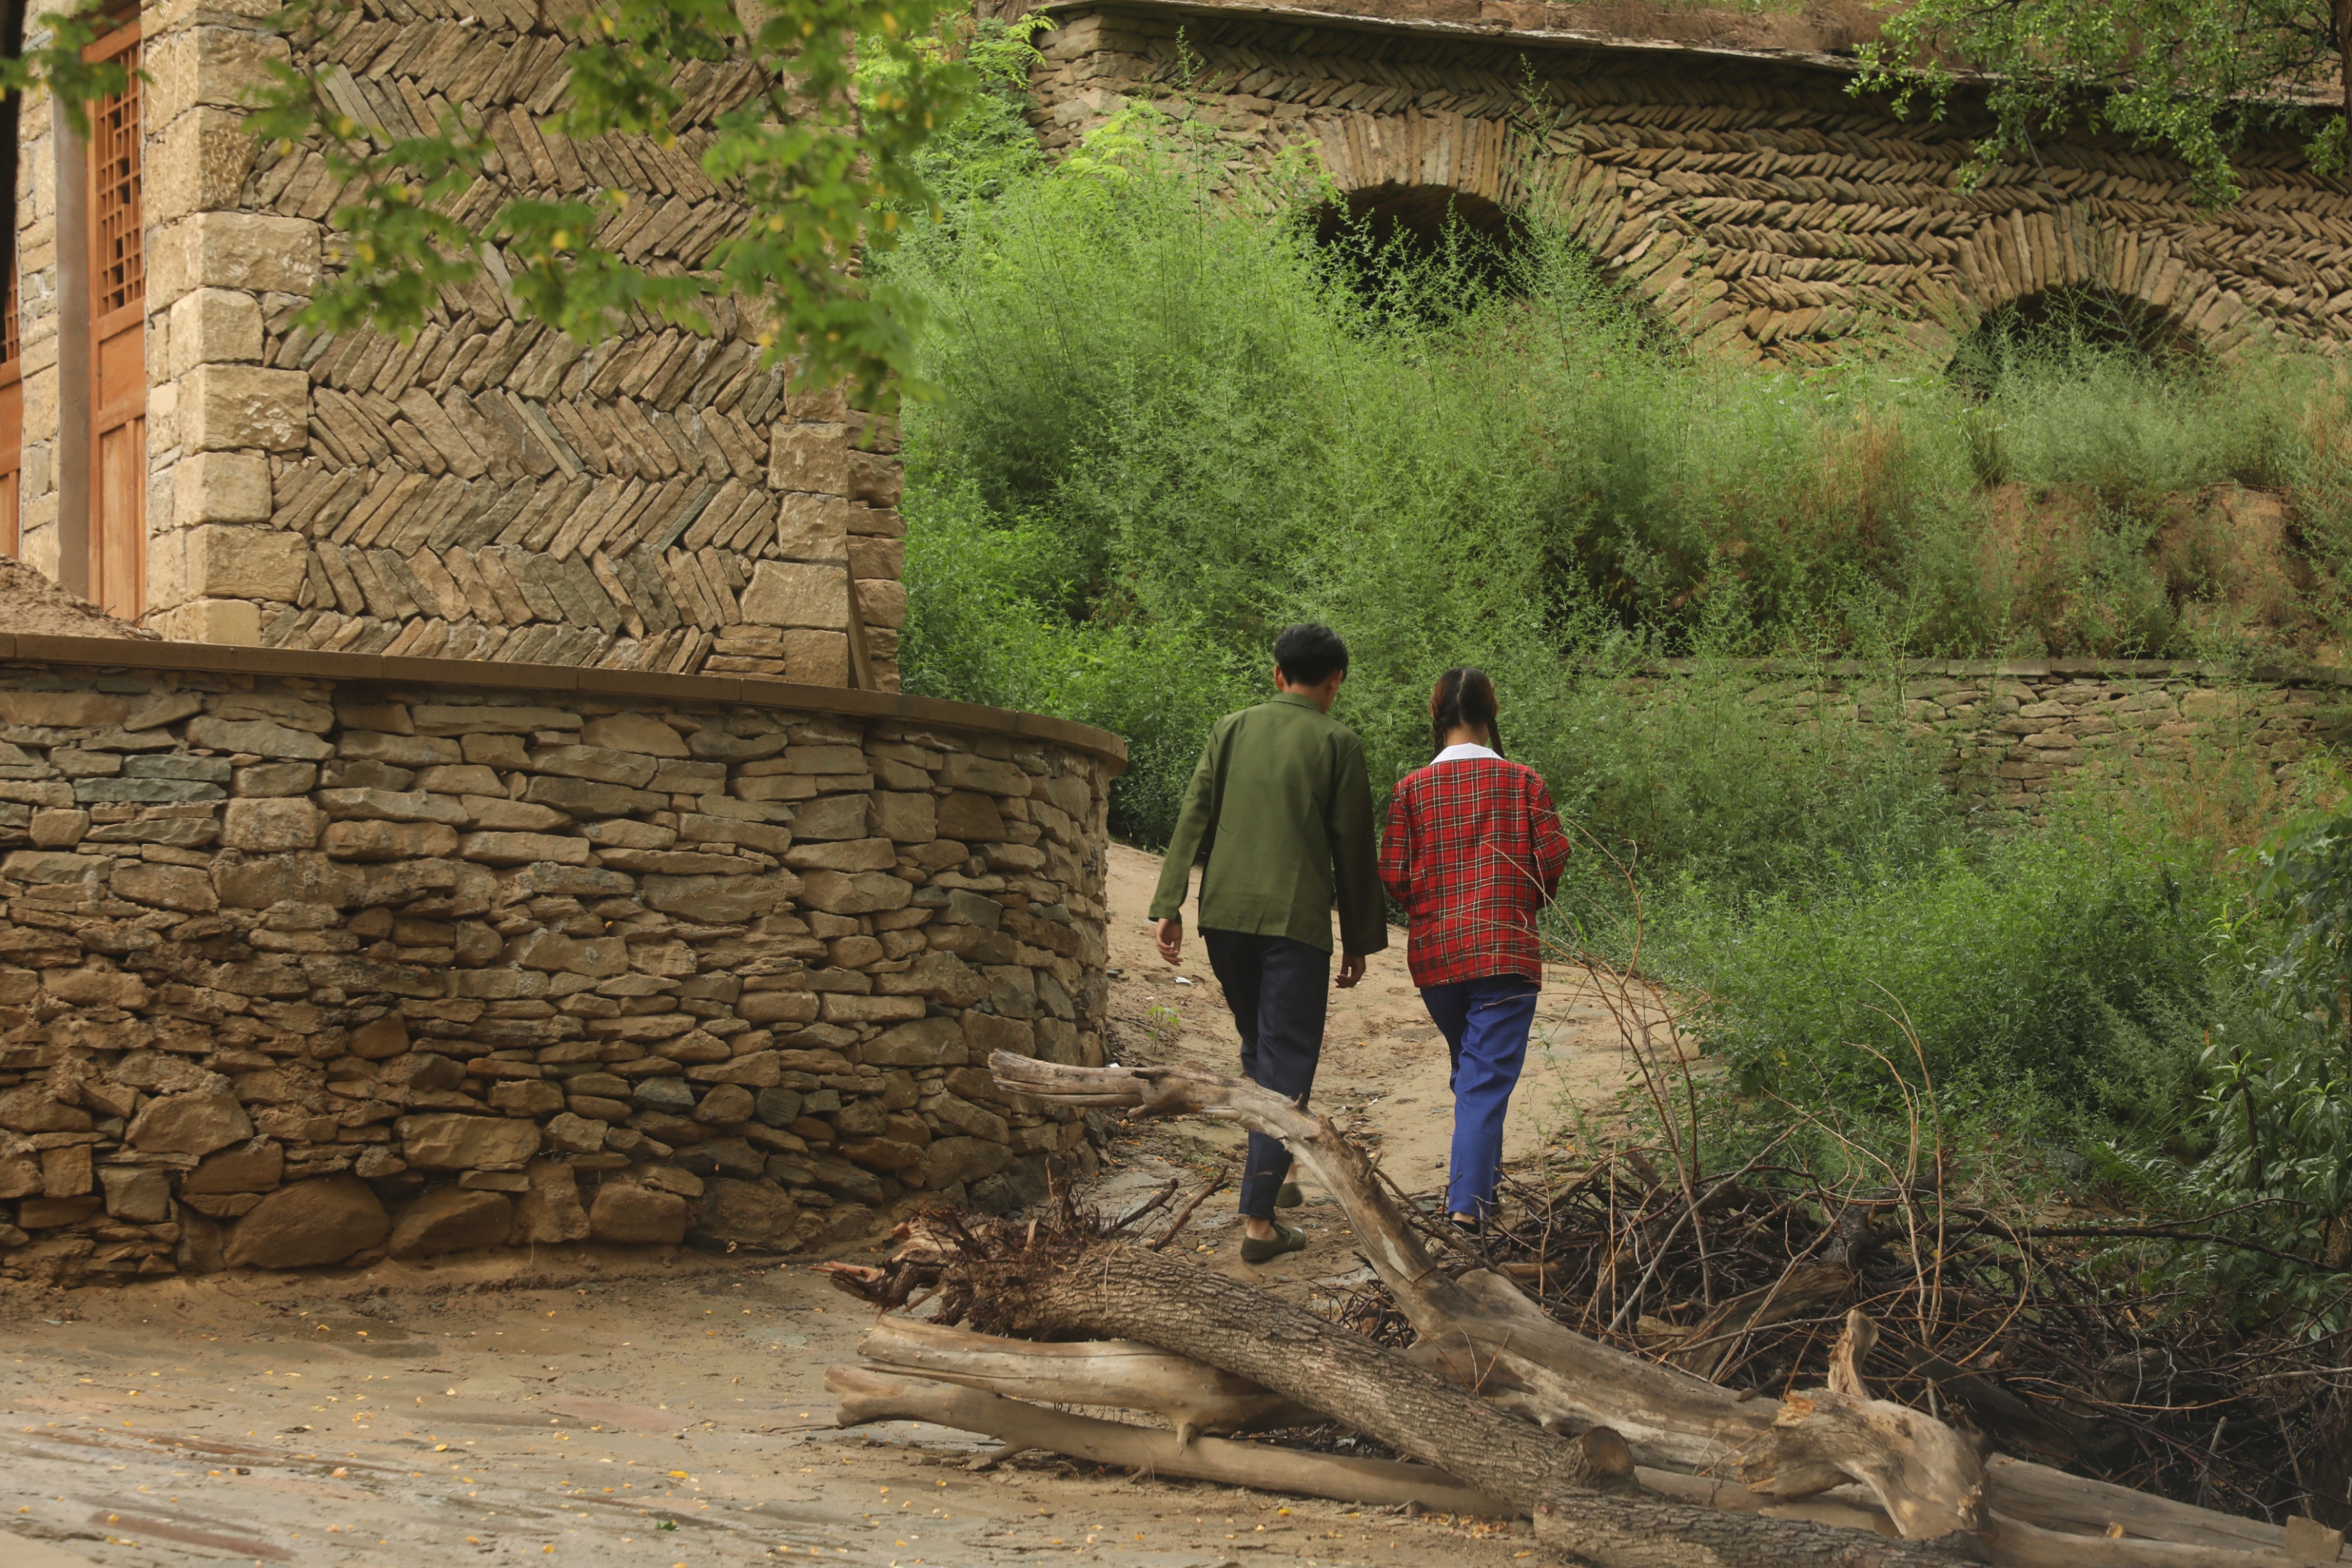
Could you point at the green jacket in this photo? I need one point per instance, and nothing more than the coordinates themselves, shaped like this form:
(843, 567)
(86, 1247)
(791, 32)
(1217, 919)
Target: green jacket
(1281, 809)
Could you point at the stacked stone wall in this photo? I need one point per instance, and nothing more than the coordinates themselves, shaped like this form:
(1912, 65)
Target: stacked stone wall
(1746, 197)
(2010, 737)
(306, 962)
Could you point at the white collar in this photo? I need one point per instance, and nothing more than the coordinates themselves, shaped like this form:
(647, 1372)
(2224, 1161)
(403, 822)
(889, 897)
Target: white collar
(1465, 753)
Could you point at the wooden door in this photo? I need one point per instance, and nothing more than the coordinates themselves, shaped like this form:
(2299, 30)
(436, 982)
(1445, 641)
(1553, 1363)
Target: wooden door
(12, 414)
(118, 310)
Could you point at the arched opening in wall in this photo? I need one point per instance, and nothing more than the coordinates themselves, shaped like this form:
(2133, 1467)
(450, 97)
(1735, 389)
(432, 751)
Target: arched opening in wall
(1420, 250)
(2071, 328)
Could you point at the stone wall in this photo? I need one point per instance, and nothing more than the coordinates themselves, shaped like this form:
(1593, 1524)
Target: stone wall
(493, 489)
(2011, 736)
(1753, 204)
(307, 960)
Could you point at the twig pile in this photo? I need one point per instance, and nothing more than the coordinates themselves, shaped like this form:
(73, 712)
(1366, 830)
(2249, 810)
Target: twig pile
(2069, 1349)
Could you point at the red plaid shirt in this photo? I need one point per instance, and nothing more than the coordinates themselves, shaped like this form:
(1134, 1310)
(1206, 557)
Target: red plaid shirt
(1474, 849)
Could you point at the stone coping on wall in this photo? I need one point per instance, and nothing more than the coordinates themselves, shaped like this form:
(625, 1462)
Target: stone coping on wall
(1479, 32)
(220, 659)
(1493, 28)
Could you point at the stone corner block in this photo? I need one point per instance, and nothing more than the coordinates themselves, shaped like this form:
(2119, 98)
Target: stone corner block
(221, 487)
(242, 405)
(810, 458)
(258, 251)
(246, 564)
(234, 621)
(213, 326)
(798, 595)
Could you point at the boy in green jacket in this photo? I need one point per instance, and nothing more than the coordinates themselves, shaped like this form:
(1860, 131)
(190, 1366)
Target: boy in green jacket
(1280, 811)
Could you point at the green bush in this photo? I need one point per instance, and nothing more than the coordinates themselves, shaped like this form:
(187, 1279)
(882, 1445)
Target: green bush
(2057, 971)
(989, 621)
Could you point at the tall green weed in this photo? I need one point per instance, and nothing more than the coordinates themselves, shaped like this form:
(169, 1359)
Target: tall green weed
(1481, 456)
(2058, 967)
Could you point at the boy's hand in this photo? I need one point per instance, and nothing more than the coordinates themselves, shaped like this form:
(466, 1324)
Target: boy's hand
(1351, 969)
(1170, 935)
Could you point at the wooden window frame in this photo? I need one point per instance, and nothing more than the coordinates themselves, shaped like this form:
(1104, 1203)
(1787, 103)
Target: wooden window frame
(12, 300)
(117, 540)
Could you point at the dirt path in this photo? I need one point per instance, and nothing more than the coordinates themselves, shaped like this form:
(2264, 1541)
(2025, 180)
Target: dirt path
(1382, 1077)
(607, 1408)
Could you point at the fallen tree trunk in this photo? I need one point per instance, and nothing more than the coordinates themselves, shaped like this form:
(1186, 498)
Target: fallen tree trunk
(1586, 1528)
(1489, 1337)
(1920, 1471)
(1191, 1396)
(1618, 1532)
(1055, 1289)
(2020, 1545)
(2055, 1502)
(875, 1396)
(1669, 1417)
(1125, 1376)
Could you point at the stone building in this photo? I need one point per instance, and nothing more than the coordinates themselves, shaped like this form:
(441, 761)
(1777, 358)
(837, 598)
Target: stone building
(564, 865)
(1756, 207)
(178, 451)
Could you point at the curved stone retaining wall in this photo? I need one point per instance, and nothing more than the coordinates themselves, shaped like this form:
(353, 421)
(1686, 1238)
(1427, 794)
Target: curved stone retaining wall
(307, 958)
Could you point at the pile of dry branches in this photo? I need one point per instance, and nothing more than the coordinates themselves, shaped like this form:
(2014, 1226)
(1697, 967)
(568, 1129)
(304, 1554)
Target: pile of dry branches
(1625, 1459)
(2064, 1344)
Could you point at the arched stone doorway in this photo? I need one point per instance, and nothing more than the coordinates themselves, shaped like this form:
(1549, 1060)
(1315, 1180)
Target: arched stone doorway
(2067, 322)
(1419, 213)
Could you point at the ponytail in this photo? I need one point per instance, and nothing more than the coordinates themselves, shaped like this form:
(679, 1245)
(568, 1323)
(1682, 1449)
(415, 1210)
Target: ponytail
(1463, 699)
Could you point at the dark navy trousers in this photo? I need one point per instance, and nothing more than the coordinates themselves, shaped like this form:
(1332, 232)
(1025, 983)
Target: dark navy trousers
(1280, 990)
(1485, 1024)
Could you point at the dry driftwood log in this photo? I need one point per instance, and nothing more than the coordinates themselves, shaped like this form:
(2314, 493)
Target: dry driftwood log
(1668, 1417)
(1592, 1521)
(1064, 1286)
(1492, 1338)
(865, 1395)
(1610, 1532)
(1122, 1374)
(1127, 1376)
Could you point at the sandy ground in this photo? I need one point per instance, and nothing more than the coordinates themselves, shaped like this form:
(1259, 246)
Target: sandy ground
(32, 605)
(589, 1407)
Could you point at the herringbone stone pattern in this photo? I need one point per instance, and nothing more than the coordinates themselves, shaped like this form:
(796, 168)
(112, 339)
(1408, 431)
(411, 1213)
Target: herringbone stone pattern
(1750, 200)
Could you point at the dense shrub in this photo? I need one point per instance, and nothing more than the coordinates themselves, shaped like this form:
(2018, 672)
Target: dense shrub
(2060, 967)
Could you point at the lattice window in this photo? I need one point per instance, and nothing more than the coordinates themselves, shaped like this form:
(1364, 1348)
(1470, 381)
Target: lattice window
(114, 205)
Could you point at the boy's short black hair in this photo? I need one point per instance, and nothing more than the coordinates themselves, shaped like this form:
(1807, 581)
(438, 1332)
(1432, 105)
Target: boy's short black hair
(1307, 655)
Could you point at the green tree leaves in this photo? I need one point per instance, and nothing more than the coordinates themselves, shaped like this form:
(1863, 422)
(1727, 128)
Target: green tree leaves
(2195, 75)
(823, 167)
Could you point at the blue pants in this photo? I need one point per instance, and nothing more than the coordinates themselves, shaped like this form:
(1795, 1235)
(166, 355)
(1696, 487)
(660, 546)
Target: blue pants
(1485, 1024)
(1279, 990)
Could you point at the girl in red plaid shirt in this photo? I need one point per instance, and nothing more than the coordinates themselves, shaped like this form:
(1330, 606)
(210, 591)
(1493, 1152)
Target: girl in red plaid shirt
(1473, 849)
